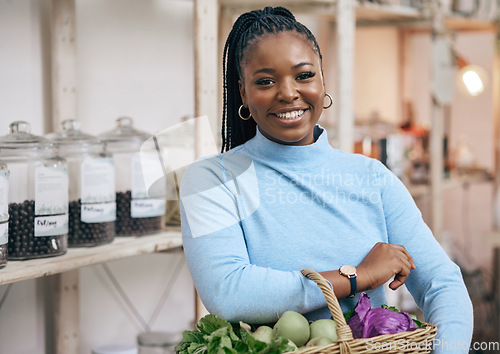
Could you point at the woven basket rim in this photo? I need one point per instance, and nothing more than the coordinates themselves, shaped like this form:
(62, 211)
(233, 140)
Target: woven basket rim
(417, 341)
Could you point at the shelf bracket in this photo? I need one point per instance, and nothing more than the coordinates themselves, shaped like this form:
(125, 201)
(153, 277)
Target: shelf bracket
(66, 312)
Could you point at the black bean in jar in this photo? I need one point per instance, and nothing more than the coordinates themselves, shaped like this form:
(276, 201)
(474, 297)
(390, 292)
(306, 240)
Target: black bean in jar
(3, 255)
(87, 234)
(23, 244)
(126, 225)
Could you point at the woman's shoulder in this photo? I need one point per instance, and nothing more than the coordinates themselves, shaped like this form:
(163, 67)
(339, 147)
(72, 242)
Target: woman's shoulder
(216, 168)
(355, 161)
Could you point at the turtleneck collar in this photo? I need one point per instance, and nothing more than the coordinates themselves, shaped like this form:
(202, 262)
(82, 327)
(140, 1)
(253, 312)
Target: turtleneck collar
(293, 156)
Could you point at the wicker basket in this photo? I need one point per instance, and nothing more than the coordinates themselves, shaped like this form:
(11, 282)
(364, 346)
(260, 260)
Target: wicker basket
(417, 341)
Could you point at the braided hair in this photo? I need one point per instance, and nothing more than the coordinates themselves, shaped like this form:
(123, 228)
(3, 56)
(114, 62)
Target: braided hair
(248, 28)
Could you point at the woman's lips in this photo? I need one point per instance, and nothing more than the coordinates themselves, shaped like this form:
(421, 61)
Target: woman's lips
(291, 115)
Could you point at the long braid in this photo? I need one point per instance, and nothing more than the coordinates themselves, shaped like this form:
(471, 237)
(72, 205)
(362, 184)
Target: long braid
(247, 29)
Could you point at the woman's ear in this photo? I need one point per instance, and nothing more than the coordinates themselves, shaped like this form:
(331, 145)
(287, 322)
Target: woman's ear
(242, 92)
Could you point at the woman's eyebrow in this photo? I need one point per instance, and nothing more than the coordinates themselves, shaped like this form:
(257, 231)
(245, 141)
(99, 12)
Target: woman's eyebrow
(265, 70)
(270, 70)
(301, 64)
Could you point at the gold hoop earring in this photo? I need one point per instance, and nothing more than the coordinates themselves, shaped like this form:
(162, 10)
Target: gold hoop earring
(239, 113)
(331, 101)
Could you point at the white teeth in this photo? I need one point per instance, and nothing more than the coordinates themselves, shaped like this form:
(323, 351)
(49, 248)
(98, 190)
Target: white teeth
(290, 115)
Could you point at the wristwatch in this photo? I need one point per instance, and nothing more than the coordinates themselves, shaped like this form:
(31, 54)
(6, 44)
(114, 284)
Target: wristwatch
(349, 271)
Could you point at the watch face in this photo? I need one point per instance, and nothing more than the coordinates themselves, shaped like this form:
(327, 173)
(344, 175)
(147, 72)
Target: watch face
(348, 270)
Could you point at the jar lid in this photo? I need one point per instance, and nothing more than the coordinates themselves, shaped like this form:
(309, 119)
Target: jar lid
(159, 339)
(71, 140)
(70, 134)
(124, 132)
(115, 349)
(20, 138)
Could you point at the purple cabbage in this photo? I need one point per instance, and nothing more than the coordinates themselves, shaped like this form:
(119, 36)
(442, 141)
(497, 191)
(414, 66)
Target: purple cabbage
(367, 322)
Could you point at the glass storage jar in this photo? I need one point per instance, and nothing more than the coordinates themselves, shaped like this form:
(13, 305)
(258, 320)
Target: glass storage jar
(158, 342)
(38, 195)
(4, 213)
(92, 206)
(137, 213)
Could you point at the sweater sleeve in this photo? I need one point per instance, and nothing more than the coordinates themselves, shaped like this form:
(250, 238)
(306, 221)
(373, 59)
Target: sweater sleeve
(436, 283)
(215, 198)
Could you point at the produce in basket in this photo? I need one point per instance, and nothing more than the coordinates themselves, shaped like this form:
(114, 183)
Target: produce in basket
(215, 335)
(294, 326)
(324, 328)
(293, 331)
(367, 322)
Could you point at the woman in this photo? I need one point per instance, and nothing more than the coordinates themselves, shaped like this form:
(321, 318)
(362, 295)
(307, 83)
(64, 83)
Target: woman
(280, 199)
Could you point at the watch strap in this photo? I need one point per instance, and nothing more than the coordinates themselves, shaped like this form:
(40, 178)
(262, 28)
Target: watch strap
(354, 285)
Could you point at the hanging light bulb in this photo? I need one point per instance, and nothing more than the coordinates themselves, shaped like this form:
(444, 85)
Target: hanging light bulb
(471, 79)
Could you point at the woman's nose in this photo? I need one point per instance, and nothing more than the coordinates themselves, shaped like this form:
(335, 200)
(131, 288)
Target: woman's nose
(287, 91)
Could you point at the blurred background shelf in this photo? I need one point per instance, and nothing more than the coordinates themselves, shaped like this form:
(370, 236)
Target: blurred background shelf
(75, 258)
(424, 190)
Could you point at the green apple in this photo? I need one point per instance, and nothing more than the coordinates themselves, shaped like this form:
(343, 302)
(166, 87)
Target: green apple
(326, 328)
(264, 334)
(293, 326)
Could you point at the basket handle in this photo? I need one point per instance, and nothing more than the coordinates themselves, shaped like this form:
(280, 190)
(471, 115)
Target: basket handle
(343, 330)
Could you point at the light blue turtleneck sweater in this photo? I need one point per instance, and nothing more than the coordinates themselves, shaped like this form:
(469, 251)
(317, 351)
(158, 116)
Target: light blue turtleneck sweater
(253, 217)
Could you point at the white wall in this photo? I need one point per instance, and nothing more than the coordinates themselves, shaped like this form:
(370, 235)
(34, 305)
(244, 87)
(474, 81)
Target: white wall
(105, 317)
(21, 64)
(134, 58)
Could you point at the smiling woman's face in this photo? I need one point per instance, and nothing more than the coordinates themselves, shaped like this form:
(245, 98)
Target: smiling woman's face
(282, 86)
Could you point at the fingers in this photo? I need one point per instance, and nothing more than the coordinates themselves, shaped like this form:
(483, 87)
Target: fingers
(383, 262)
(395, 284)
(407, 264)
(405, 256)
(400, 278)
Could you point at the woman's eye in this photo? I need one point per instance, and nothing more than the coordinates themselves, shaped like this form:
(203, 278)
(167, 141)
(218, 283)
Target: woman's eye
(263, 82)
(306, 75)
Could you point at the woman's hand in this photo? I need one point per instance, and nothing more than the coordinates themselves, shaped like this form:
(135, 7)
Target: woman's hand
(382, 263)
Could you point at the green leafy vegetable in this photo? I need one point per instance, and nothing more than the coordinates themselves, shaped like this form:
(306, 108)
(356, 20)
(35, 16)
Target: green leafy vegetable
(395, 309)
(348, 314)
(216, 335)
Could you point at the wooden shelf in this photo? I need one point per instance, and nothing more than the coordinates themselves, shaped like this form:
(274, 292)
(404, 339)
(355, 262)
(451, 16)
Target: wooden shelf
(364, 10)
(367, 13)
(460, 23)
(75, 258)
(423, 190)
(384, 12)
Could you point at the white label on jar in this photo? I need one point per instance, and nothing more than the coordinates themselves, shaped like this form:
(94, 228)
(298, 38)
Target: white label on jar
(138, 187)
(141, 206)
(4, 233)
(147, 208)
(4, 194)
(98, 190)
(51, 225)
(98, 180)
(98, 212)
(51, 190)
